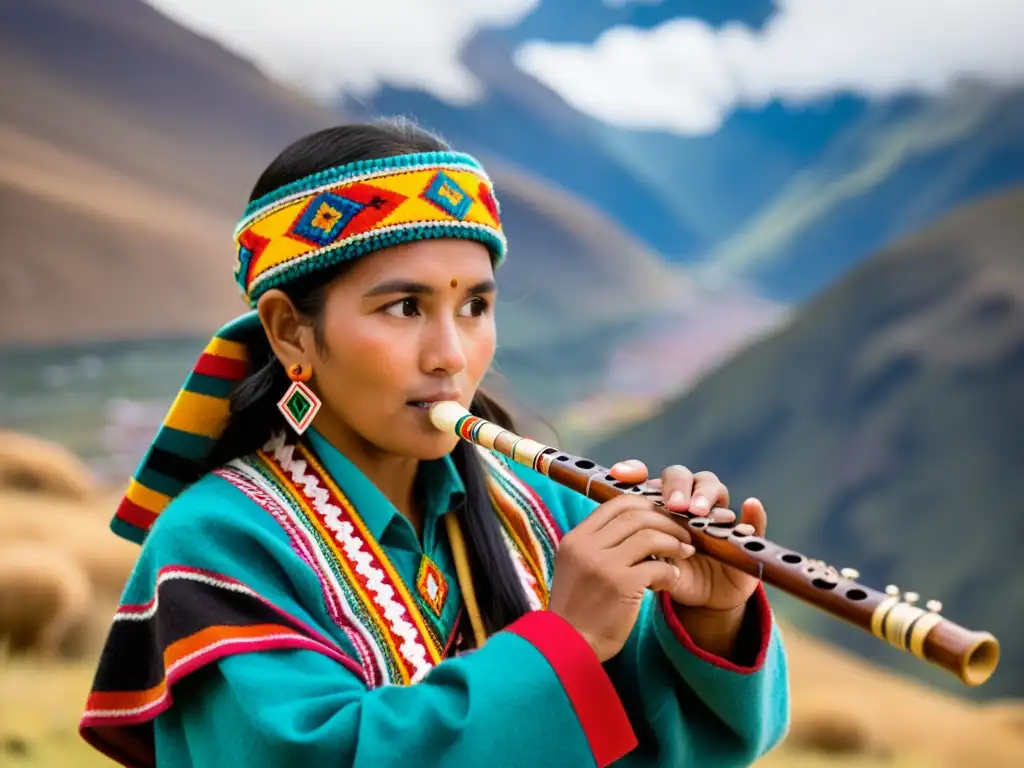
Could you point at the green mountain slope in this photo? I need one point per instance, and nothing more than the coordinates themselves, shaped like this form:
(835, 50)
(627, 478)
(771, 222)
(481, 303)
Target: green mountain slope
(884, 430)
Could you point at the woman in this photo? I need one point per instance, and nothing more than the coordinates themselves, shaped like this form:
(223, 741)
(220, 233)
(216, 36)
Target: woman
(326, 579)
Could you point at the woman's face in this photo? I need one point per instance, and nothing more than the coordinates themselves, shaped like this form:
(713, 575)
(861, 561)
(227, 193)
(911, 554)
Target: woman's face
(405, 326)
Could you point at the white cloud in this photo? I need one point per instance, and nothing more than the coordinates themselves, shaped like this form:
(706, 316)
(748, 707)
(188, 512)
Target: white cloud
(686, 77)
(327, 46)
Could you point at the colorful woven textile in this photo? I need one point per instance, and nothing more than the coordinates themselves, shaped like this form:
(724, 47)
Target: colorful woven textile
(349, 211)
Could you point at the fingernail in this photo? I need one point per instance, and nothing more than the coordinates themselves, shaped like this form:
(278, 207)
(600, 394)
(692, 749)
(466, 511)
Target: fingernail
(675, 568)
(677, 497)
(699, 504)
(687, 549)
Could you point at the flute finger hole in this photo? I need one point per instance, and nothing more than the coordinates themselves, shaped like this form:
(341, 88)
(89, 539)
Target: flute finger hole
(754, 546)
(856, 594)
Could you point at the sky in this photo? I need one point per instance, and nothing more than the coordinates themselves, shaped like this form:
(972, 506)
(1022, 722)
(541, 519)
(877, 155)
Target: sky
(327, 46)
(683, 76)
(687, 77)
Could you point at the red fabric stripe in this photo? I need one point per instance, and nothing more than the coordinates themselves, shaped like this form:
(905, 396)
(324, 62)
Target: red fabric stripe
(221, 367)
(763, 624)
(108, 734)
(135, 515)
(591, 692)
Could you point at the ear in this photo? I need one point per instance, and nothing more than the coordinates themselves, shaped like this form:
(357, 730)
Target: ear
(289, 333)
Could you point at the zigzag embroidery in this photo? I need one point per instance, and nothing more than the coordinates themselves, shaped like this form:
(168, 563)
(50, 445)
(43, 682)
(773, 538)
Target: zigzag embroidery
(255, 479)
(251, 482)
(413, 651)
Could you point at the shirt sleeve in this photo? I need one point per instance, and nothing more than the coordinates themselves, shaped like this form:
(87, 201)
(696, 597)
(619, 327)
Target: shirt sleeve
(688, 706)
(534, 694)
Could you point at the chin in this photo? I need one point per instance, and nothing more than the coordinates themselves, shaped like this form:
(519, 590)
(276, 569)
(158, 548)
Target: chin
(439, 447)
(427, 448)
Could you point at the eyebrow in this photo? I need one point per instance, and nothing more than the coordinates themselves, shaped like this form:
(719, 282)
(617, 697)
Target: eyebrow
(411, 286)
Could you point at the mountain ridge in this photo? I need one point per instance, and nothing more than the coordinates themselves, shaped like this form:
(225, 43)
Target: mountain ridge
(876, 420)
(129, 145)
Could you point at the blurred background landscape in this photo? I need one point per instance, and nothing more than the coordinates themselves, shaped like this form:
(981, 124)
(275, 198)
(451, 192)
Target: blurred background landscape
(783, 241)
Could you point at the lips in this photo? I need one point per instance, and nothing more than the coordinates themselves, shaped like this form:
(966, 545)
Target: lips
(429, 400)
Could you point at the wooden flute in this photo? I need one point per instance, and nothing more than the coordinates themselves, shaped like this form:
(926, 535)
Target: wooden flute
(890, 616)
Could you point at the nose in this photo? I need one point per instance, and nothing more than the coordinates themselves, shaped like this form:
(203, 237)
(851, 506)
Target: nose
(443, 349)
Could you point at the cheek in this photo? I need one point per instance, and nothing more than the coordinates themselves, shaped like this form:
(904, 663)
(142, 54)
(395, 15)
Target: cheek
(362, 359)
(480, 351)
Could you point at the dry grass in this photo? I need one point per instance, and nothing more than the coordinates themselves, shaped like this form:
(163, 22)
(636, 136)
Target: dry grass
(846, 712)
(39, 708)
(37, 466)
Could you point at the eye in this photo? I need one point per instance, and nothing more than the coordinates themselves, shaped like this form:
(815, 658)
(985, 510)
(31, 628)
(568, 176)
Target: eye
(407, 307)
(475, 307)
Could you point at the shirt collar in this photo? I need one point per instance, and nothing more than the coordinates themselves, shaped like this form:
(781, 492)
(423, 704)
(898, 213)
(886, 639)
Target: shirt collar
(444, 489)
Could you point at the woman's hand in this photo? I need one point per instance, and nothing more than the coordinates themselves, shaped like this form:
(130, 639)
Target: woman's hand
(604, 568)
(702, 582)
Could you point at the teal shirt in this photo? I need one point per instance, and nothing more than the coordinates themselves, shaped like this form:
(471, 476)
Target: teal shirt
(534, 695)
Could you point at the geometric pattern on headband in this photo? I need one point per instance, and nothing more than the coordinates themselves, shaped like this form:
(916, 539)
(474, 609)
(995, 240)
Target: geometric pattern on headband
(350, 211)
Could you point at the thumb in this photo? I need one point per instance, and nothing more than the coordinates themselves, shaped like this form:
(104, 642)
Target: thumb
(752, 512)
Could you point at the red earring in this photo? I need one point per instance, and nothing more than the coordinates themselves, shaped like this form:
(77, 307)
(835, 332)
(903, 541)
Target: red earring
(296, 372)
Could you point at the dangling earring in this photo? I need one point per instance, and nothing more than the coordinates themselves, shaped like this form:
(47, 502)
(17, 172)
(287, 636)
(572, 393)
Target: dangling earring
(299, 405)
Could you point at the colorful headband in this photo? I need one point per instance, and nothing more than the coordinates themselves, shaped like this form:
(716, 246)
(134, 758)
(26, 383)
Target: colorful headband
(304, 227)
(346, 212)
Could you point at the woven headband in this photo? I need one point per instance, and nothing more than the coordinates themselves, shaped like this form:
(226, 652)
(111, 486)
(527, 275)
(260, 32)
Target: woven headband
(310, 225)
(346, 212)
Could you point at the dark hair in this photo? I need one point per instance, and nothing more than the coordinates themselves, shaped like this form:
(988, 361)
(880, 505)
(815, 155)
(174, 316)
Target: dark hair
(254, 415)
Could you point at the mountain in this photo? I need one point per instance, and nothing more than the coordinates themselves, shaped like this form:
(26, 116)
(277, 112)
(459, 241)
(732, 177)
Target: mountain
(882, 429)
(786, 198)
(128, 147)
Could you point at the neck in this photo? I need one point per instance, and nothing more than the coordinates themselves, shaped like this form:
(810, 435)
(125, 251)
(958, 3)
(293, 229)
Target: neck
(394, 476)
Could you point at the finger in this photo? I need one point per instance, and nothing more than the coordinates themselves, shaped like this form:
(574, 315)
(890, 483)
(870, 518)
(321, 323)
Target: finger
(631, 471)
(753, 513)
(677, 487)
(613, 509)
(647, 543)
(637, 519)
(722, 515)
(708, 492)
(655, 574)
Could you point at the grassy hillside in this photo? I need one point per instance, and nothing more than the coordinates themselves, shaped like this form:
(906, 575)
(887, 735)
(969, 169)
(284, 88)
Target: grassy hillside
(882, 428)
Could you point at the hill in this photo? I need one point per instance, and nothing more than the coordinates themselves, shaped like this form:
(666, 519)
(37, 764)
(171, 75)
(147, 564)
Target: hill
(882, 429)
(784, 197)
(128, 145)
